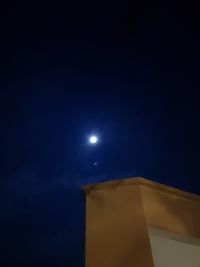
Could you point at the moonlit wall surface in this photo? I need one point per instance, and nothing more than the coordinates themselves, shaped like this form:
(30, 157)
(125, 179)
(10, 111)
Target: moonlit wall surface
(120, 214)
(172, 251)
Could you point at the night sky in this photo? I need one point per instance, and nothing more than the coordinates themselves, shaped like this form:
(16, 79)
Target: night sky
(128, 72)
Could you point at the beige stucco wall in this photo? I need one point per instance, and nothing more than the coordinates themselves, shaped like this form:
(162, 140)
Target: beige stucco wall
(118, 214)
(171, 210)
(116, 233)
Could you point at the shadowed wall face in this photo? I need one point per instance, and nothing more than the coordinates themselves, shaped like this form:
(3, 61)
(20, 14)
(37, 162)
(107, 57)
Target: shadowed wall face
(174, 252)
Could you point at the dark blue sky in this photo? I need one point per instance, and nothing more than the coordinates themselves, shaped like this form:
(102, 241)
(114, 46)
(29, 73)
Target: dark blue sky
(127, 71)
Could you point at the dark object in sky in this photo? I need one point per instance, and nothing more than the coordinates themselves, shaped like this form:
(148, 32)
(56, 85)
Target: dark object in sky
(128, 27)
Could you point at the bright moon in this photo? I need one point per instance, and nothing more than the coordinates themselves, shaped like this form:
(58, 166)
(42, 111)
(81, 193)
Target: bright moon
(93, 139)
